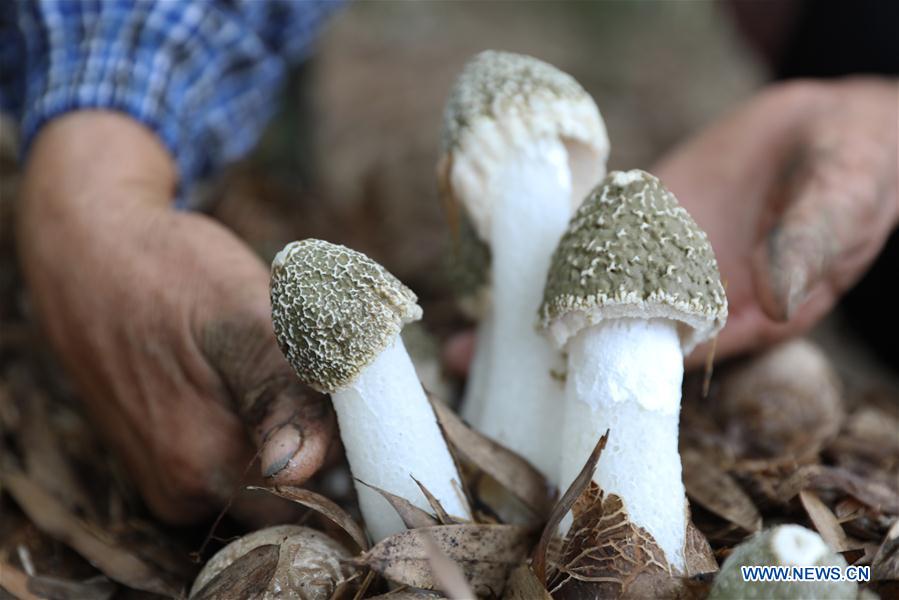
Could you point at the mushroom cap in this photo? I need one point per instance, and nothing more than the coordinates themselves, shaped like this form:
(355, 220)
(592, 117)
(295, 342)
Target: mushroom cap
(499, 105)
(310, 564)
(784, 545)
(632, 251)
(334, 310)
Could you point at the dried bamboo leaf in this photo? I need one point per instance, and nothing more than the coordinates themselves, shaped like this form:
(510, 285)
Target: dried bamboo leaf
(524, 585)
(484, 552)
(96, 588)
(825, 522)
(52, 517)
(247, 577)
(565, 503)
(447, 573)
(366, 583)
(716, 491)
(885, 566)
(45, 462)
(513, 472)
(322, 505)
(698, 555)
(407, 594)
(442, 516)
(822, 477)
(604, 555)
(412, 516)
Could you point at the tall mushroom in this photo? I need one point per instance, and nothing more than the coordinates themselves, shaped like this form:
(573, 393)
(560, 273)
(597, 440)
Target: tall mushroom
(522, 143)
(633, 286)
(337, 316)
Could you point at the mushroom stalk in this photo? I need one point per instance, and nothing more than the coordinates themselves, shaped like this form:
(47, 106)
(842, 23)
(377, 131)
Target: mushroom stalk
(624, 375)
(531, 211)
(473, 401)
(388, 442)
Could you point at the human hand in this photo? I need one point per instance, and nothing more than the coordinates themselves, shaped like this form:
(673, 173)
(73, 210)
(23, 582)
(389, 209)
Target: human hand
(163, 320)
(797, 189)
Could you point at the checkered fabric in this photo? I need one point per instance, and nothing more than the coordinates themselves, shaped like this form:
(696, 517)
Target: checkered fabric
(203, 74)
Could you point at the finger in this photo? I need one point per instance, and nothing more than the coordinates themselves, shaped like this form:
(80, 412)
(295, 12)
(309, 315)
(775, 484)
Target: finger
(291, 425)
(842, 211)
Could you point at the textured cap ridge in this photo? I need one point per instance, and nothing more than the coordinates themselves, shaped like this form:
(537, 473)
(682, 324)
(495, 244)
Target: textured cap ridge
(334, 310)
(632, 251)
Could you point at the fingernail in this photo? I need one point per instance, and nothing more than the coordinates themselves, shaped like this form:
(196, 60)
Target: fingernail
(280, 447)
(789, 267)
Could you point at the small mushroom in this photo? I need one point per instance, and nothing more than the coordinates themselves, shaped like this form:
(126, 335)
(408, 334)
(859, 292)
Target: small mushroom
(337, 317)
(633, 286)
(784, 402)
(522, 143)
(786, 546)
(310, 564)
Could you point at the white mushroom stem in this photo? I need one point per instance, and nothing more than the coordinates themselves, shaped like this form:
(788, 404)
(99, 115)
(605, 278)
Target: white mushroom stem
(478, 374)
(390, 435)
(531, 210)
(625, 375)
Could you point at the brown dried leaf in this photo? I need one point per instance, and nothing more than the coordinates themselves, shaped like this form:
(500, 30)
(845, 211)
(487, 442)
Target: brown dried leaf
(447, 573)
(366, 583)
(885, 565)
(825, 522)
(821, 477)
(513, 472)
(96, 588)
(247, 577)
(407, 594)
(484, 552)
(442, 516)
(412, 516)
(95, 545)
(698, 555)
(716, 491)
(322, 505)
(604, 555)
(45, 462)
(565, 503)
(524, 585)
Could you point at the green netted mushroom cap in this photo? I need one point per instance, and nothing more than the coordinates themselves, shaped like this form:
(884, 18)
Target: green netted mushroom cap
(788, 546)
(498, 106)
(334, 310)
(631, 251)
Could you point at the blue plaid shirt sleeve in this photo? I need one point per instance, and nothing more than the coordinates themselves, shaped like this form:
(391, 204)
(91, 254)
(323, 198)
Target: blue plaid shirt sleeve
(202, 74)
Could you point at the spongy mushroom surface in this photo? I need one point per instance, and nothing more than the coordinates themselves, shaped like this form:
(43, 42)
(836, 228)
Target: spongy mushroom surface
(334, 310)
(632, 251)
(522, 142)
(633, 286)
(501, 102)
(310, 564)
(337, 316)
(785, 545)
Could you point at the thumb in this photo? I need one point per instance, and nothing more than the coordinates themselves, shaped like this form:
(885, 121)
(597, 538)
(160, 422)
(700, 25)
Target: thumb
(291, 425)
(842, 210)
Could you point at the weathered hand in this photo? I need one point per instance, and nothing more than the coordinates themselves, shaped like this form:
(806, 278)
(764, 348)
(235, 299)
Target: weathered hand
(797, 190)
(162, 319)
